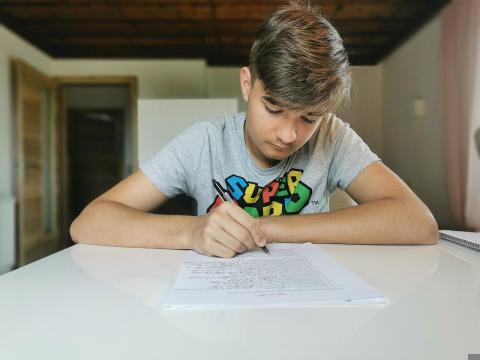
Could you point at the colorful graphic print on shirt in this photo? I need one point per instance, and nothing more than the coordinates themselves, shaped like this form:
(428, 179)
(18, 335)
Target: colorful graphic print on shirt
(285, 196)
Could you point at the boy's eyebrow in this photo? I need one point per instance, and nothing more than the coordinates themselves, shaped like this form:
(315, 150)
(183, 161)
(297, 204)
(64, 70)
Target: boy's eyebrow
(272, 101)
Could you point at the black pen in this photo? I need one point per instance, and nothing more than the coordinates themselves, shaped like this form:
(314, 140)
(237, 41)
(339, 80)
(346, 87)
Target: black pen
(225, 196)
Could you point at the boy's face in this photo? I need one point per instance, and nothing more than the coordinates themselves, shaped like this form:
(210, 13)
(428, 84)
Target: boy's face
(272, 132)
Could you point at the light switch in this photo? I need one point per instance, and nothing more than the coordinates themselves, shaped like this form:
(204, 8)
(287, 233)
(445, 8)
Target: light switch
(419, 107)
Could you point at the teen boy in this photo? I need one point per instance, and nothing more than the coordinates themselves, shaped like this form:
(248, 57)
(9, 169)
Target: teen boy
(285, 156)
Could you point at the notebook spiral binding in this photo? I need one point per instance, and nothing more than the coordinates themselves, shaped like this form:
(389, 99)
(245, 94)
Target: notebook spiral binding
(460, 241)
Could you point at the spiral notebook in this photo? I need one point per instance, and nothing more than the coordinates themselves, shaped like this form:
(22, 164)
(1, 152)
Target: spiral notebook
(465, 238)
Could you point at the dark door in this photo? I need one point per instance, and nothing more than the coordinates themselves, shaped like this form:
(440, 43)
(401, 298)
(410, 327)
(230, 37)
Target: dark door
(95, 154)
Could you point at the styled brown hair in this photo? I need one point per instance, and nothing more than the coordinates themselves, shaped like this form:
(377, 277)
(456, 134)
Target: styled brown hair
(300, 59)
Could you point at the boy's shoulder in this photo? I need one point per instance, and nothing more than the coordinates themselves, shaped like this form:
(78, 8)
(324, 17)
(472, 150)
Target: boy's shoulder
(218, 124)
(220, 121)
(337, 125)
(330, 130)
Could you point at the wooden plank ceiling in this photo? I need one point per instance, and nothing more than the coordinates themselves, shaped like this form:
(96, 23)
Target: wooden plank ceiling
(220, 31)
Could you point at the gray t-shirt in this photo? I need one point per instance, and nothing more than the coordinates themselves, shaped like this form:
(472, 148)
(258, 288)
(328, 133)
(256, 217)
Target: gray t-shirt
(302, 183)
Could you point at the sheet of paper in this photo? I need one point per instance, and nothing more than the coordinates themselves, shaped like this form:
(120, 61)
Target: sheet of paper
(292, 275)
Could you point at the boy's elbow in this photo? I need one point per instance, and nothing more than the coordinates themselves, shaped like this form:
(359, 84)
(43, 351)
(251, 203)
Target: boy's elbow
(74, 231)
(79, 230)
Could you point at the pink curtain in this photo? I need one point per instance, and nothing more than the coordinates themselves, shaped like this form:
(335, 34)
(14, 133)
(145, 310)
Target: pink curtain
(461, 87)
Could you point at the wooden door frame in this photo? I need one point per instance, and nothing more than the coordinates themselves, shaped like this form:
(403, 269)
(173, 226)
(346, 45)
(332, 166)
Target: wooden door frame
(22, 69)
(132, 83)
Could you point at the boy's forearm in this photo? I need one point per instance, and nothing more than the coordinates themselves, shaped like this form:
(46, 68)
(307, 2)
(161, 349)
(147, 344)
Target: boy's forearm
(115, 224)
(386, 221)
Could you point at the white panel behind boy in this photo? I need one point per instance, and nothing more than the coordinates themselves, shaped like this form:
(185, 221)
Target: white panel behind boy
(161, 120)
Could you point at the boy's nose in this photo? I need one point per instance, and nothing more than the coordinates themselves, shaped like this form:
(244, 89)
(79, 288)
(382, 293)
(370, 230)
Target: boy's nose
(286, 134)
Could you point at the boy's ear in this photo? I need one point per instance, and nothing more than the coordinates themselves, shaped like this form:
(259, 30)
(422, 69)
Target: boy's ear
(245, 82)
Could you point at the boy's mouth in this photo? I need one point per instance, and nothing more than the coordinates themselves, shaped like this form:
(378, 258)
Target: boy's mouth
(280, 147)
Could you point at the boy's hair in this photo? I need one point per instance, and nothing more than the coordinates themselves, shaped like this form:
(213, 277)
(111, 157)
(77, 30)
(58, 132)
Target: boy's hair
(300, 59)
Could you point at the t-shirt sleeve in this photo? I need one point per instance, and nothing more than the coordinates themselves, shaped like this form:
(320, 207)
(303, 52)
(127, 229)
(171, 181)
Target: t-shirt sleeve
(350, 156)
(171, 169)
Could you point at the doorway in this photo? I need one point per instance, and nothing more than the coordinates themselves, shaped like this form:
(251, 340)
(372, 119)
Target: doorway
(95, 149)
(99, 121)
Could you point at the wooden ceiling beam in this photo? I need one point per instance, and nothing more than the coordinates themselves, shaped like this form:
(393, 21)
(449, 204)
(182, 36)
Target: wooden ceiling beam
(180, 2)
(368, 25)
(142, 28)
(162, 29)
(101, 11)
(179, 41)
(187, 11)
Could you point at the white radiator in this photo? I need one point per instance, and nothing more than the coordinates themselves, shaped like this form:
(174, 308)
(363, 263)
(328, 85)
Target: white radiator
(7, 234)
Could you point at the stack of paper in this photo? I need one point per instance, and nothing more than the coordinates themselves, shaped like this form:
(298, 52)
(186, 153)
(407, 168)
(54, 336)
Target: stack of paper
(292, 275)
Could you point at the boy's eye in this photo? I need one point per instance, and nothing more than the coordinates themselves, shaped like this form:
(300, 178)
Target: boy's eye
(275, 112)
(309, 121)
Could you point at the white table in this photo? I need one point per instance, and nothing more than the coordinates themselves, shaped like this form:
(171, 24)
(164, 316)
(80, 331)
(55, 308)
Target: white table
(92, 302)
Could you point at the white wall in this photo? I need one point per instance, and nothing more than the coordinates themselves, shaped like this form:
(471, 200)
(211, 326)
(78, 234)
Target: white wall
(364, 111)
(413, 146)
(157, 79)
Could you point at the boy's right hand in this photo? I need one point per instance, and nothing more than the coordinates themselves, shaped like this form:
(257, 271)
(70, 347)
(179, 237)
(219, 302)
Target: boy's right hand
(226, 231)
